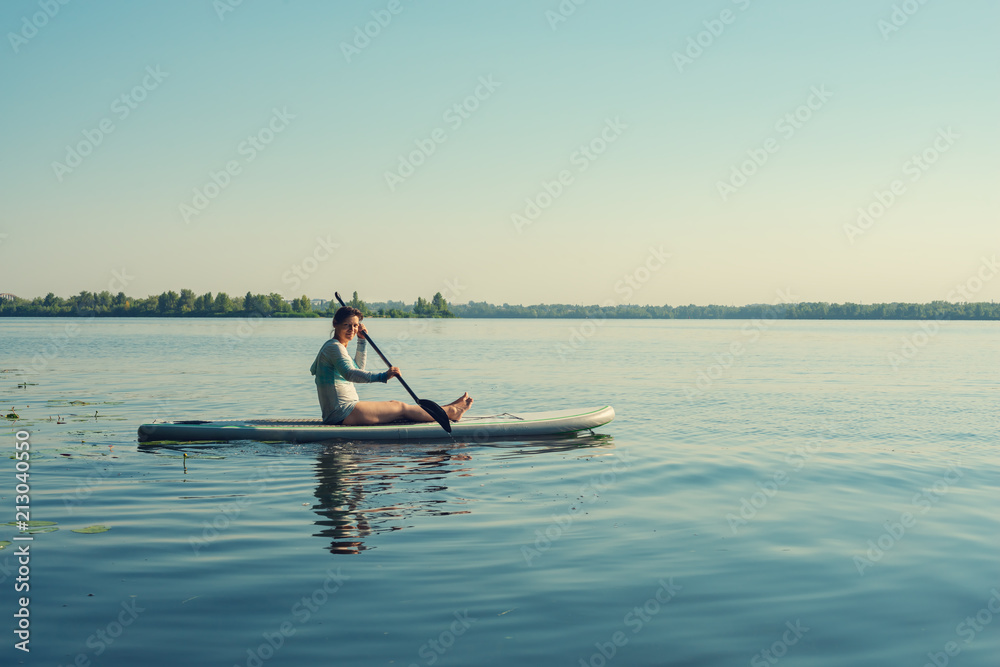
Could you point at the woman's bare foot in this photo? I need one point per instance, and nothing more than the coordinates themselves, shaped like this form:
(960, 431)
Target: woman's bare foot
(457, 408)
(460, 399)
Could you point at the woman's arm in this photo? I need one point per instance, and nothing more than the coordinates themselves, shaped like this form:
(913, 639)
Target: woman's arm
(361, 353)
(338, 359)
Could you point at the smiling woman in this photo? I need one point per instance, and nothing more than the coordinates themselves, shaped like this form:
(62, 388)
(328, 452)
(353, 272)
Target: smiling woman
(336, 374)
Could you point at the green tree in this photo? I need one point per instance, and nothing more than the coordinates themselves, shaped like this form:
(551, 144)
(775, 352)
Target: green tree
(203, 304)
(102, 301)
(355, 302)
(422, 308)
(222, 304)
(440, 306)
(84, 301)
(167, 303)
(251, 304)
(276, 303)
(186, 301)
(302, 304)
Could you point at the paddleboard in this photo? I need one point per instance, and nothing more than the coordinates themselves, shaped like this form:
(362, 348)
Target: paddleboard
(505, 425)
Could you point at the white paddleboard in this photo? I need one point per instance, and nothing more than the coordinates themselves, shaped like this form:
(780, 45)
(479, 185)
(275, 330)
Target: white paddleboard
(506, 425)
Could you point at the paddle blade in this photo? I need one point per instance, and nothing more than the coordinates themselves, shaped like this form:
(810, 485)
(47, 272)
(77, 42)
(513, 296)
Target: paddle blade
(436, 411)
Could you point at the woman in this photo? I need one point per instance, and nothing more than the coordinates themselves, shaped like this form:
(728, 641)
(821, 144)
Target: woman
(336, 374)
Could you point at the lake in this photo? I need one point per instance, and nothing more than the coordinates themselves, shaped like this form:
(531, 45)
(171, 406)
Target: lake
(802, 492)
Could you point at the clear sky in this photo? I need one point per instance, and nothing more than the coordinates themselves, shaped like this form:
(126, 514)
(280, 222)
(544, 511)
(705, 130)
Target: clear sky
(518, 151)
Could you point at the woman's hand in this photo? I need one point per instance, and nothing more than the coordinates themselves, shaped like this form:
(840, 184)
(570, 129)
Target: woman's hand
(362, 331)
(394, 373)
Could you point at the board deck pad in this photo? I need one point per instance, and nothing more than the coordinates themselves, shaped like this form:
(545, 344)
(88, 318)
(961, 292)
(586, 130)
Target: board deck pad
(507, 424)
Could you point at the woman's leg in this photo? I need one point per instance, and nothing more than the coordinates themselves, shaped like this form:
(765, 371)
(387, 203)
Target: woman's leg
(366, 413)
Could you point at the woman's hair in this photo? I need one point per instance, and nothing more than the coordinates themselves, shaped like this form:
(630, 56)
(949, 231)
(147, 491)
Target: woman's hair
(345, 312)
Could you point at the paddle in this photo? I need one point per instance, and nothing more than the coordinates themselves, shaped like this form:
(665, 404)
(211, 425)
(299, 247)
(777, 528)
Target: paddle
(430, 407)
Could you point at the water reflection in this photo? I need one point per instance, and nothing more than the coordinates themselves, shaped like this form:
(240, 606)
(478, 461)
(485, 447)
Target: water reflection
(361, 494)
(366, 489)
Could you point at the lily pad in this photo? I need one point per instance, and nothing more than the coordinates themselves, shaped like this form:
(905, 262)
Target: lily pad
(43, 529)
(32, 524)
(4, 544)
(92, 529)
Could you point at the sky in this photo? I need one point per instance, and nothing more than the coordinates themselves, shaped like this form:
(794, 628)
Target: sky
(582, 151)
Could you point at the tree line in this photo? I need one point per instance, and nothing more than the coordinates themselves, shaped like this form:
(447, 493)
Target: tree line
(436, 307)
(787, 311)
(188, 304)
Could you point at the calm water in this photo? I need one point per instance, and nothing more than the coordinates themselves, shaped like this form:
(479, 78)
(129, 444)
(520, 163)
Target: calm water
(810, 499)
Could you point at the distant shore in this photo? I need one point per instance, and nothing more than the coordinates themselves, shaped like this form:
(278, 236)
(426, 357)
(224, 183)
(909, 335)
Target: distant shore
(187, 304)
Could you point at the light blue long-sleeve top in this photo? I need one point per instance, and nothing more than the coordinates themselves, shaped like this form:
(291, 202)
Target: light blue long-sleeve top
(336, 374)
